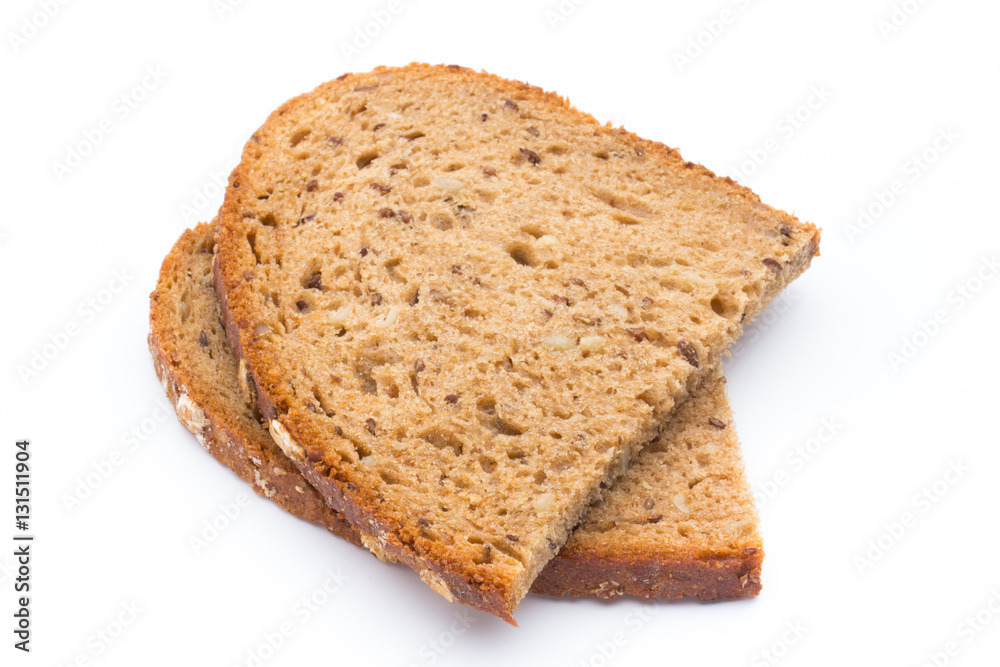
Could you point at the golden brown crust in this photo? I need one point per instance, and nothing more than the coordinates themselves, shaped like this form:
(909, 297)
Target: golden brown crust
(650, 575)
(361, 505)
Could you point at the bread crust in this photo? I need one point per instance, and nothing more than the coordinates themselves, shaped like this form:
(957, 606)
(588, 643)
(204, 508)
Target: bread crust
(652, 575)
(360, 506)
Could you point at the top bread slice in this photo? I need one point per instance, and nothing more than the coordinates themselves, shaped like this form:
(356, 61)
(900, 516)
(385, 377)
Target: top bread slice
(462, 306)
(681, 522)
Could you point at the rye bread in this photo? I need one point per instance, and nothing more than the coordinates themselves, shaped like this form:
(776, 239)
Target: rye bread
(463, 305)
(681, 522)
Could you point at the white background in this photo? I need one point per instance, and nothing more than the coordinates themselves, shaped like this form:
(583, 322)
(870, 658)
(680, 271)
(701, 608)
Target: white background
(880, 96)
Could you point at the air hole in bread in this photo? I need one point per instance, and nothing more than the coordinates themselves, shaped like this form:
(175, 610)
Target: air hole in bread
(252, 242)
(366, 159)
(299, 136)
(444, 440)
(522, 254)
(356, 110)
(648, 397)
(312, 278)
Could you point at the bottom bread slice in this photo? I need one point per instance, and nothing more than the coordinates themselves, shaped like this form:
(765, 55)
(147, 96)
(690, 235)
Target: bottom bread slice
(681, 522)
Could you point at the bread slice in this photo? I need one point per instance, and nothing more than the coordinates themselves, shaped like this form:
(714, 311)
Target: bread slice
(463, 306)
(681, 521)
